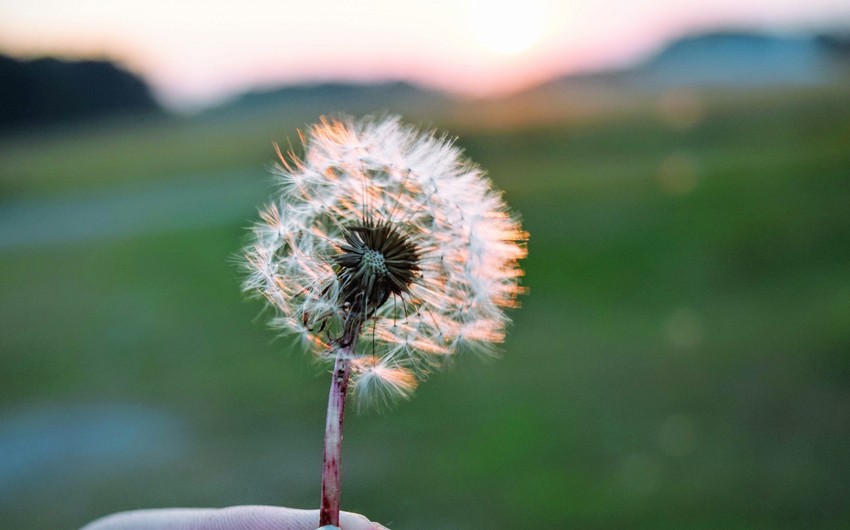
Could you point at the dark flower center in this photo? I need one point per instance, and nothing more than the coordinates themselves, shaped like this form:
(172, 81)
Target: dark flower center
(377, 261)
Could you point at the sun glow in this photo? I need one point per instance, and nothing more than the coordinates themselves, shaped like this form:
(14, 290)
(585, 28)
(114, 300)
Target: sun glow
(508, 27)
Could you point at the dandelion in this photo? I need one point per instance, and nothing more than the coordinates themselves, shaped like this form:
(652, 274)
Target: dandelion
(387, 251)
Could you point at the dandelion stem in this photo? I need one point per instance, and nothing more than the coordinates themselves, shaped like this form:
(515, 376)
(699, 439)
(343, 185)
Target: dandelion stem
(329, 513)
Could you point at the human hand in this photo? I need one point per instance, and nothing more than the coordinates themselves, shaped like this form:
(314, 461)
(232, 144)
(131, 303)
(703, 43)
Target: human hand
(232, 518)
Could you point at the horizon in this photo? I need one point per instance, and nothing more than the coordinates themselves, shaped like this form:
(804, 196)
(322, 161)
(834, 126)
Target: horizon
(471, 48)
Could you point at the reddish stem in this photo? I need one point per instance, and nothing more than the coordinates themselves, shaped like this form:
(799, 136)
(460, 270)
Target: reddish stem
(329, 513)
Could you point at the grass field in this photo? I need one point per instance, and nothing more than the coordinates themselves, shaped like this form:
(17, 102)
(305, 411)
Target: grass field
(682, 359)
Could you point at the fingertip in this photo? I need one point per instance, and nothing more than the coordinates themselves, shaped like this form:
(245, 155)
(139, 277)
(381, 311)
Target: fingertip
(355, 521)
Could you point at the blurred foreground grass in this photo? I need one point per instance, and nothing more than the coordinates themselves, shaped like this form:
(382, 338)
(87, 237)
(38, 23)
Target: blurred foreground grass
(682, 359)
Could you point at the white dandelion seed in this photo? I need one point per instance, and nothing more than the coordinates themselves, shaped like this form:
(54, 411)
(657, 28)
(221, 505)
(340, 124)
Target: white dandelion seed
(388, 234)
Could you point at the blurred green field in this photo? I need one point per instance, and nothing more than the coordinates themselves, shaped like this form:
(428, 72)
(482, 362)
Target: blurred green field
(682, 359)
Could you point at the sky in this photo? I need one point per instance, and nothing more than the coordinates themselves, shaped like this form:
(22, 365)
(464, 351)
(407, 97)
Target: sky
(199, 52)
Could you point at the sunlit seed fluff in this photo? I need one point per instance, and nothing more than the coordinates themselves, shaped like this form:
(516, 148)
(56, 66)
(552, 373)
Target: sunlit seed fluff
(390, 233)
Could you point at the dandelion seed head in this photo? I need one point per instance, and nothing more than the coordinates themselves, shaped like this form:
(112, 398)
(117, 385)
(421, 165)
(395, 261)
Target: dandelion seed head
(387, 232)
(379, 382)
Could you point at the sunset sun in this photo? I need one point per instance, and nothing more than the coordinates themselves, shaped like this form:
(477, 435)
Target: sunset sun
(507, 27)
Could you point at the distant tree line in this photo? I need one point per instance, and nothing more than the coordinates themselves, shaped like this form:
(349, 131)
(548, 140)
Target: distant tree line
(838, 44)
(48, 90)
